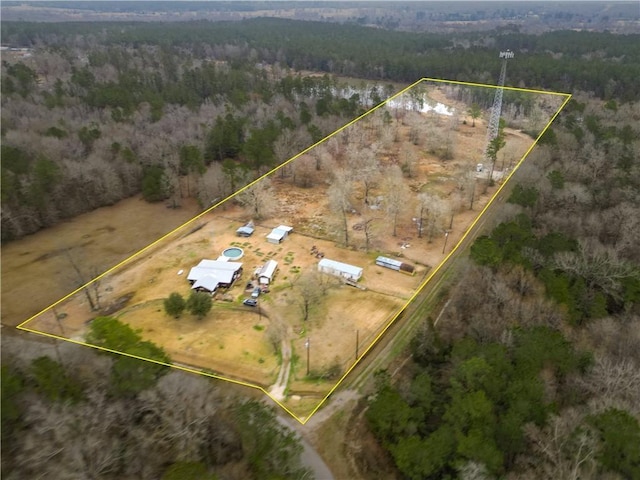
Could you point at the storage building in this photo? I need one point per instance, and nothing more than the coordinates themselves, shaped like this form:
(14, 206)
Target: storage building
(265, 276)
(278, 234)
(394, 264)
(245, 231)
(339, 269)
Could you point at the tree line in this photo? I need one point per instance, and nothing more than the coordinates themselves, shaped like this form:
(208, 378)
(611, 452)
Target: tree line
(561, 60)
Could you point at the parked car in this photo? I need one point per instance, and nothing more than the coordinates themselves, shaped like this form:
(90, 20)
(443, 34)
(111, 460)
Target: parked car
(256, 292)
(250, 302)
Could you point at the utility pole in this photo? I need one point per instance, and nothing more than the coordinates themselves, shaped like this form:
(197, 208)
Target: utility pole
(496, 109)
(446, 237)
(307, 345)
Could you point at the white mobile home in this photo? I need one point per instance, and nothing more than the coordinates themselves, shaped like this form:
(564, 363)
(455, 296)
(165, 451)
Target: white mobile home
(339, 269)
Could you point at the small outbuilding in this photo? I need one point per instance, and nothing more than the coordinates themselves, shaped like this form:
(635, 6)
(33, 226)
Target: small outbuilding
(285, 228)
(339, 269)
(278, 234)
(395, 265)
(266, 273)
(245, 231)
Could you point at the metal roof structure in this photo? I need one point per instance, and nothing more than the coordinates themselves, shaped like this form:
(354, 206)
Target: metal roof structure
(388, 261)
(222, 271)
(268, 269)
(343, 269)
(208, 282)
(219, 265)
(277, 235)
(245, 231)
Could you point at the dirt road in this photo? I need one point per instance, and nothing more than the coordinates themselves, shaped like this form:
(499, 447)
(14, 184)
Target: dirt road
(310, 457)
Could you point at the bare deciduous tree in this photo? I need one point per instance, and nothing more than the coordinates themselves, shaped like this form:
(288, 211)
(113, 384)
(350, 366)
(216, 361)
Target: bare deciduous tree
(290, 142)
(618, 338)
(258, 198)
(409, 164)
(467, 187)
(396, 195)
(83, 276)
(568, 446)
(614, 383)
(474, 471)
(369, 230)
(303, 171)
(213, 186)
(364, 168)
(311, 286)
(339, 193)
(276, 332)
(598, 265)
(431, 214)
(70, 440)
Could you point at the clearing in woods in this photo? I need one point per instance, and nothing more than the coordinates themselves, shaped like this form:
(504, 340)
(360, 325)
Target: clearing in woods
(405, 181)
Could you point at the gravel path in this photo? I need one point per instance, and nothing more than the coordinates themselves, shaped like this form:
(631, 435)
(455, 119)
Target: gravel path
(276, 391)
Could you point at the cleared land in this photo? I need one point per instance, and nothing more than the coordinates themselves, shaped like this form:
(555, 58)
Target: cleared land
(403, 182)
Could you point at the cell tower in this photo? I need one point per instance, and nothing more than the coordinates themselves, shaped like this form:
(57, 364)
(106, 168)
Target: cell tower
(496, 109)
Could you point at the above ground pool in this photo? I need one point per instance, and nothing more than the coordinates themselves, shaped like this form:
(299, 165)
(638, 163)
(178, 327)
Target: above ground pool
(233, 253)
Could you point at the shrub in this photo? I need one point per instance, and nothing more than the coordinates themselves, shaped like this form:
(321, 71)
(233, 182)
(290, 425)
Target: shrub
(174, 305)
(199, 304)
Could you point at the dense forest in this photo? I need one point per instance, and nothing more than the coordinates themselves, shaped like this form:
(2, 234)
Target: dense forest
(532, 368)
(204, 126)
(215, 104)
(608, 64)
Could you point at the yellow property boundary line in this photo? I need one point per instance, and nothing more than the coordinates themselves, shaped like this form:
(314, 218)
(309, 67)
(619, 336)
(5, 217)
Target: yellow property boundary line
(305, 419)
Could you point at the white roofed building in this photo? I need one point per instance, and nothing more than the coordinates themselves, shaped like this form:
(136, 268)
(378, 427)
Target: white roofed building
(208, 275)
(207, 283)
(395, 265)
(339, 269)
(265, 276)
(278, 234)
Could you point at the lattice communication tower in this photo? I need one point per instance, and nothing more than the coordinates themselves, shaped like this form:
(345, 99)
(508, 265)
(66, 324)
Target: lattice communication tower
(496, 109)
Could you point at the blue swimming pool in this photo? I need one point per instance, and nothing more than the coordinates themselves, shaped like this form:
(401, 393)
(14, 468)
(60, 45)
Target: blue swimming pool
(233, 253)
